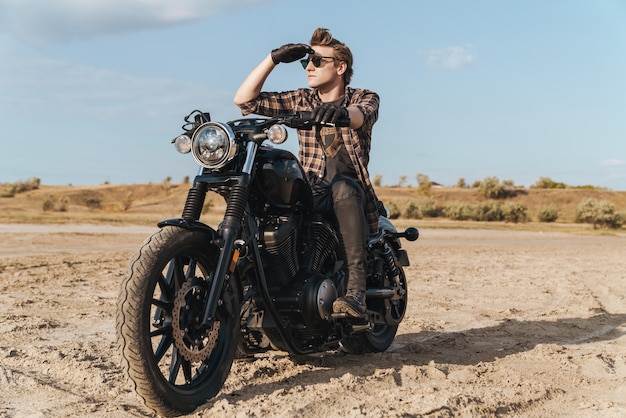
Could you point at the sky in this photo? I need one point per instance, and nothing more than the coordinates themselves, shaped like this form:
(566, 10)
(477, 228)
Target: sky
(93, 91)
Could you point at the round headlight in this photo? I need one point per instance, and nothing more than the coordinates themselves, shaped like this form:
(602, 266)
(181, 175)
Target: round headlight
(213, 145)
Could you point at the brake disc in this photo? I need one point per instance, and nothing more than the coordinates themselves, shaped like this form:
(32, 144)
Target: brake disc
(194, 342)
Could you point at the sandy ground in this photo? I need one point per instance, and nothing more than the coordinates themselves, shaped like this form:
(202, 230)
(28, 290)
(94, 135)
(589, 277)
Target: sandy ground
(500, 323)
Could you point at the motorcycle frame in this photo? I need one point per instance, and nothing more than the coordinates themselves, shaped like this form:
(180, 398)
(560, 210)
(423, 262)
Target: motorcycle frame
(229, 231)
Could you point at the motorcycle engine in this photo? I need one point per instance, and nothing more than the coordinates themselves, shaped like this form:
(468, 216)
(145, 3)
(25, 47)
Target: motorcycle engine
(278, 239)
(300, 273)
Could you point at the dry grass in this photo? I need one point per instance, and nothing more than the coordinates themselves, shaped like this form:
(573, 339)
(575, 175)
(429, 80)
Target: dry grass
(564, 200)
(150, 203)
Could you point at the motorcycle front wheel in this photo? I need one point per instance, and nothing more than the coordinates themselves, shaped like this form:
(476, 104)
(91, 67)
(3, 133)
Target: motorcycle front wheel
(175, 363)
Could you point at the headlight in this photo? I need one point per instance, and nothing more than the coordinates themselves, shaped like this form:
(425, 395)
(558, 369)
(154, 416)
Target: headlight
(277, 134)
(183, 144)
(213, 145)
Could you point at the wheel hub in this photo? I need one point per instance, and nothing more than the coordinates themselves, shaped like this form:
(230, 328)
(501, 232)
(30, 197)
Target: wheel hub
(194, 341)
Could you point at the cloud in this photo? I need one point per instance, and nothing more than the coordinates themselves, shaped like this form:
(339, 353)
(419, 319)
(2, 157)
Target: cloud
(450, 58)
(613, 162)
(42, 22)
(79, 91)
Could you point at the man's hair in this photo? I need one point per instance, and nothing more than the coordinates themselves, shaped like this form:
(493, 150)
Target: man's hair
(322, 37)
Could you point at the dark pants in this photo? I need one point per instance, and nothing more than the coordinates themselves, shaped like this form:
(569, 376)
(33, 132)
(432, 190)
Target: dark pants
(344, 200)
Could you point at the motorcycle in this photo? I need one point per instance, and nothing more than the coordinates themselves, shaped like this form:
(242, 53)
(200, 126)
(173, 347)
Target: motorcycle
(196, 297)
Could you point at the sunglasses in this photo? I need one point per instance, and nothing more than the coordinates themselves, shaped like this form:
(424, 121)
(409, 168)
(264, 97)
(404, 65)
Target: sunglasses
(315, 59)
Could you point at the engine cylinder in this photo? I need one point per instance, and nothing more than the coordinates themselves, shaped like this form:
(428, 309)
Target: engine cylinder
(278, 239)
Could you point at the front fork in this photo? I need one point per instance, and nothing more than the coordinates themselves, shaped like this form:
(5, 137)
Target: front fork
(228, 231)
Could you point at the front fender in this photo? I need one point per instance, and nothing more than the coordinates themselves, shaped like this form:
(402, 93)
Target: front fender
(190, 225)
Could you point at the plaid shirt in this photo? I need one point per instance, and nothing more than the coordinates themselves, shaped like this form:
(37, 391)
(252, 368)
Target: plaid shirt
(356, 141)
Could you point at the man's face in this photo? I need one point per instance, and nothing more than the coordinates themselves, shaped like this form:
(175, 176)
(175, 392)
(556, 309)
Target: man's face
(327, 73)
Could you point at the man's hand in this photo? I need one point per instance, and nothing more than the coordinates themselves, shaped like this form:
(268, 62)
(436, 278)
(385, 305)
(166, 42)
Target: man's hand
(329, 113)
(290, 53)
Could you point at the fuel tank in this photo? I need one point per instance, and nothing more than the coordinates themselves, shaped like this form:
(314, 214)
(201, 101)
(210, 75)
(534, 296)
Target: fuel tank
(281, 178)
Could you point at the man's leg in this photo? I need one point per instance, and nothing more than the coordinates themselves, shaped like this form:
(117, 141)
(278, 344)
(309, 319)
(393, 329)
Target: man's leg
(350, 213)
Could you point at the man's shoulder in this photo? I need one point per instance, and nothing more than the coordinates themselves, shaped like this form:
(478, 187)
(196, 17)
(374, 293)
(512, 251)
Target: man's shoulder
(362, 95)
(360, 91)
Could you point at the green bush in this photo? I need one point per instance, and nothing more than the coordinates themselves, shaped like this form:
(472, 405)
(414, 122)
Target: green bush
(393, 210)
(429, 208)
(547, 214)
(598, 213)
(32, 183)
(412, 210)
(459, 211)
(548, 183)
(514, 212)
(488, 212)
(9, 191)
(48, 204)
(491, 188)
(92, 202)
(424, 183)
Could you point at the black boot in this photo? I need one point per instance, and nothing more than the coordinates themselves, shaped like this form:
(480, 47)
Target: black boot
(353, 303)
(350, 214)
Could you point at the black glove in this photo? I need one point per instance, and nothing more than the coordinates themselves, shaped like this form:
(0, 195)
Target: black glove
(291, 52)
(329, 113)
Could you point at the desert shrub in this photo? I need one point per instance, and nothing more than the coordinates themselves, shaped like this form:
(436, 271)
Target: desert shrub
(547, 214)
(63, 202)
(378, 180)
(393, 210)
(514, 212)
(128, 201)
(598, 213)
(459, 211)
(92, 202)
(488, 212)
(48, 204)
(424, 183)
(491, 188)
(429, 208)
(12, 189)
(461, 183)
(9, 191)
(32, 183)
(412, 210)
(548, 183)
(166, 185)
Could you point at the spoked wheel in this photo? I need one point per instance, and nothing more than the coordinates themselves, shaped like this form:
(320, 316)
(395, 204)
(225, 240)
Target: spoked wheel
(175, 362)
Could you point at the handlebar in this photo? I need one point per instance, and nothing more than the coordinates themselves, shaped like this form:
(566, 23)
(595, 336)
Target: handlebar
(299, 120)
(253, 126)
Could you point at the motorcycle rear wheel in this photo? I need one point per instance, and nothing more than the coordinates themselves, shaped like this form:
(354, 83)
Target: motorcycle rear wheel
(163, 294)
(379, 338)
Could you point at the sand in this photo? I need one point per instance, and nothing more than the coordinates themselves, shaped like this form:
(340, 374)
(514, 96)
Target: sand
(500, 323)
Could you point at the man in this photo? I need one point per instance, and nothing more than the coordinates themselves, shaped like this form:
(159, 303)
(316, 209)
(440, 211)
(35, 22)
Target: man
(335, 159)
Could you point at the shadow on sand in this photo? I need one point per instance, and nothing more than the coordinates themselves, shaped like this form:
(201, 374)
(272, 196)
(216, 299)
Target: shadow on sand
(468, 347)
